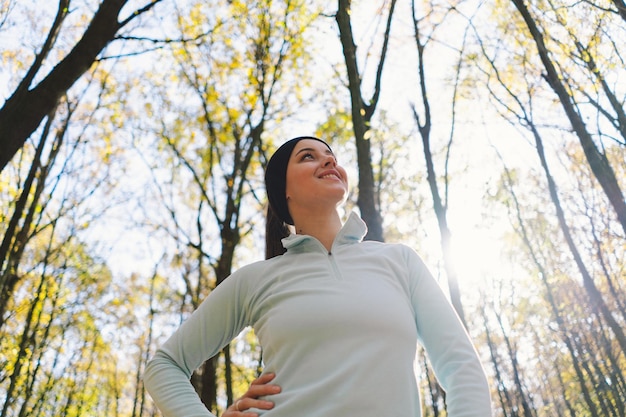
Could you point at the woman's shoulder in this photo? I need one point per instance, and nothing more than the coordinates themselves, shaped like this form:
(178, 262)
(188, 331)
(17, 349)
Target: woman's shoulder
(389, 247)
(254, 273)
(398, 252)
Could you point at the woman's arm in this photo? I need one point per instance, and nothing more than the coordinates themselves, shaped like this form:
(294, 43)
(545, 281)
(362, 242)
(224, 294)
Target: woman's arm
(220, 318)
(448, 346)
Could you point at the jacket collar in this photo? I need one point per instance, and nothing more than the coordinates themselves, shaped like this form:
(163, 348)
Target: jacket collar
(353, 231)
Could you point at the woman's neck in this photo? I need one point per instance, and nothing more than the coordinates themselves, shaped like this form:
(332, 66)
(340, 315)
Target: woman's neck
(323, 227)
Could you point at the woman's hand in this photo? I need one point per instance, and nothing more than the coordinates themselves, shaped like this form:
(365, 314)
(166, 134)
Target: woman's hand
(258, 388)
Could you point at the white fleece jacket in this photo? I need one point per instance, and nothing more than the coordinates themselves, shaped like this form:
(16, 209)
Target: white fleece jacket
(339, 329)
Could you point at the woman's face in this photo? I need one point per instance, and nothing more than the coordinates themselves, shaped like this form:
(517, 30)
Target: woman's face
(313, 176)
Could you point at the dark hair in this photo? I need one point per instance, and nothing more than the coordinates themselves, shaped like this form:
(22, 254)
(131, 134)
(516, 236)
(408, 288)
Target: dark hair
(275, 231)
(278, 216)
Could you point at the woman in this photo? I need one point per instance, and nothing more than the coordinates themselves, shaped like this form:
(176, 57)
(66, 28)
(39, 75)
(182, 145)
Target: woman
(339, 319)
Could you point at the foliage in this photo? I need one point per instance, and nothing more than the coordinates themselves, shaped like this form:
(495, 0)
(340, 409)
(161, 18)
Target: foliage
(143, 189)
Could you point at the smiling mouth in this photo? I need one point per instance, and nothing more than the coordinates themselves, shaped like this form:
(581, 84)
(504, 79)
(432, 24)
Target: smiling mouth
(329, 176)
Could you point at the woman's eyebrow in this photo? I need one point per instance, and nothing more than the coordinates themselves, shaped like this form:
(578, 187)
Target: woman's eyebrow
(328, 151)
(305, 149)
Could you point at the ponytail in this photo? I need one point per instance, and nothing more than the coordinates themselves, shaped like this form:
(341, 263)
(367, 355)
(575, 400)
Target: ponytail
(275, 231)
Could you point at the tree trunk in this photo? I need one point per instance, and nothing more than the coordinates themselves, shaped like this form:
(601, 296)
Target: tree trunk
(595, 297)
(206, 384)
(597, 160)
(521, 392)
(361, 118)
(621, 8)
(577, 361)
(25, 350)
(23, 112)
(503, 392)
(15, 238)
(434, 390)
(439, 205)
(228, 375)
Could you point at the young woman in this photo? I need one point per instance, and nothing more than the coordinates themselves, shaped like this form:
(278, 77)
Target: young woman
(339, 319)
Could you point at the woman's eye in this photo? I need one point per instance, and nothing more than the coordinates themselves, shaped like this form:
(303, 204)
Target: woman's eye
(307, 156)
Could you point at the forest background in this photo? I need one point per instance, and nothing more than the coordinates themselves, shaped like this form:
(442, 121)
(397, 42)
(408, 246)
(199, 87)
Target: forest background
(489, 135)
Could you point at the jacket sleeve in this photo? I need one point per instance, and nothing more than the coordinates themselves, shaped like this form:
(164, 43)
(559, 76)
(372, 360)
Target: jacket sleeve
(220, 318)
(451, 353)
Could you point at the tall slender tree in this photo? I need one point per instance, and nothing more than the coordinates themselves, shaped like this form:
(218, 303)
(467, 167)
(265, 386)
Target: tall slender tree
(440, 198)
(362, 110)
(218, 151)
(596, 158)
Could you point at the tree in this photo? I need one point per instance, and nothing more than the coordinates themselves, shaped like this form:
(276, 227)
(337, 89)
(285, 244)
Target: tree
(20, 227)
(524, 113)
(578, 281)
(597, 160)
(29, 104)
(362, 112)
(440, 199)
(54, 291)
(215, 152)
(207, 94)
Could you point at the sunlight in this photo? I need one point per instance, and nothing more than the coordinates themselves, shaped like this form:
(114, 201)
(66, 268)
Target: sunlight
(476, 255)
(476, 239)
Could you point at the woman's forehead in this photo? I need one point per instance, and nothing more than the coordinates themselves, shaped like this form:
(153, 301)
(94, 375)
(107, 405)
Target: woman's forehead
(311, 144)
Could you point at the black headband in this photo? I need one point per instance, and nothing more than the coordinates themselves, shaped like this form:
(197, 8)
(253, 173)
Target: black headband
(276, 177)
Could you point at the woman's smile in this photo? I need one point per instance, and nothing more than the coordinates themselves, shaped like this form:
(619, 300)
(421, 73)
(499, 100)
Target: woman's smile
(332, 174)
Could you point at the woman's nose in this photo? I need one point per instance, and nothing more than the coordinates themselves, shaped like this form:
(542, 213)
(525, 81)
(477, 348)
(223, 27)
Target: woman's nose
(330, 160)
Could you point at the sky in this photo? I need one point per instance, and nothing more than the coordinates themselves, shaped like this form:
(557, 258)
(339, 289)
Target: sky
(476, 239)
